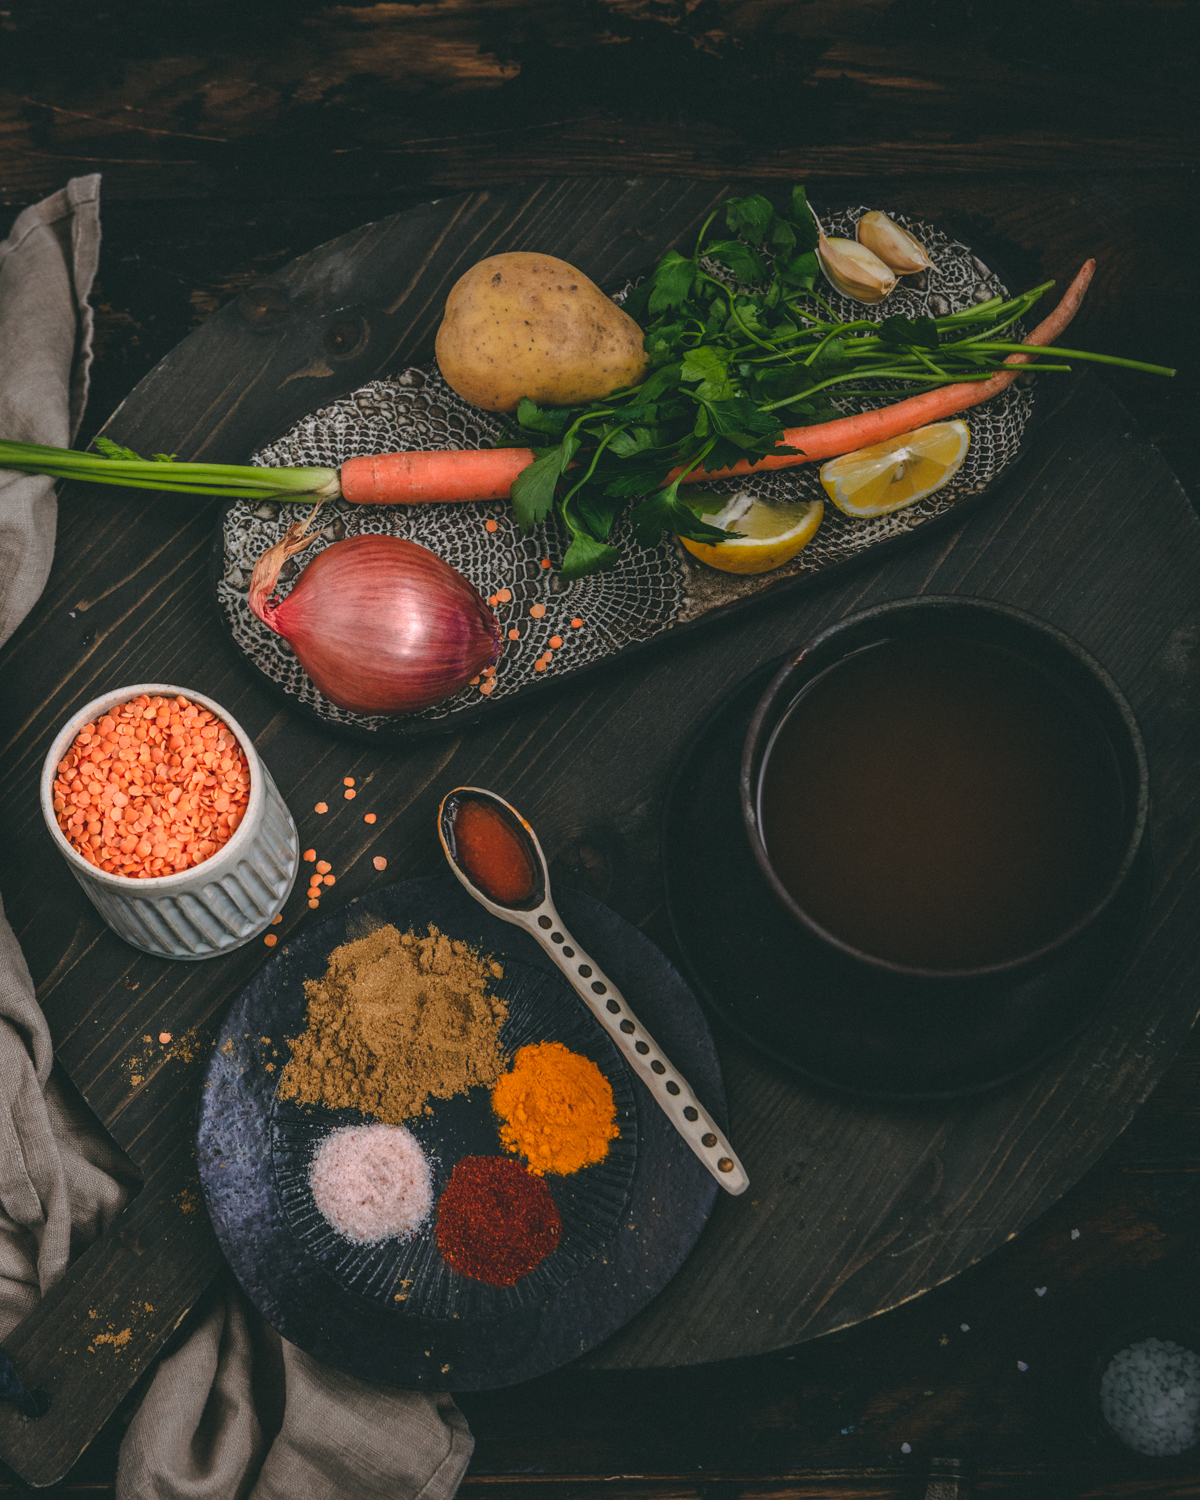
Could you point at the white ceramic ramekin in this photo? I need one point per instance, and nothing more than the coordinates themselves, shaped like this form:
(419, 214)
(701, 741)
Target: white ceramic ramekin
(213, 907)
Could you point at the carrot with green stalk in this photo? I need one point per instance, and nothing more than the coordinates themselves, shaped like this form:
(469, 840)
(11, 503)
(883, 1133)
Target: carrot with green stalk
(623, 447)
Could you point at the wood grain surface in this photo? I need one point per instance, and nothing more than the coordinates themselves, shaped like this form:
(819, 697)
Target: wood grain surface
(852, 1210)
(231, 140)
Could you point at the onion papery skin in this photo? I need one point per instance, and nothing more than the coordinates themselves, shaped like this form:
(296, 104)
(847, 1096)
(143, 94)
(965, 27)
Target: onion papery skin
(383, 626)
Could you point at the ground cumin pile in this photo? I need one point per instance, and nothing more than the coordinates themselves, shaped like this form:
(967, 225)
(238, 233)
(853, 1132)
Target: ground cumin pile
(397, 1020)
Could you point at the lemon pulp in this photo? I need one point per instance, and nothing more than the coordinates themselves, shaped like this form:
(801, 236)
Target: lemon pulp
(771, 534)
(888, 476)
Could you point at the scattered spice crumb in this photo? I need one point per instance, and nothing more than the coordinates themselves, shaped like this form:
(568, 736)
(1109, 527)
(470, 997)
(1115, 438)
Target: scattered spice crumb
(228, 1047)
(537, 610)
(323, 867)
(131, 984)
(265, 1040)
(349, 794)
(491, 526)
(164, 1038)
(117, 1340)
(270, 1067)
(347, 780)
(310, 855)
(321, 807)
(136, 1080)
(188, 1202)
(147, 1038)
(445, 1369)
(270, 940)
(379, 862)
(556, 641)
(576, 624)
(942, 1339)
(149, 1306)
(369, 818)
(276, 919)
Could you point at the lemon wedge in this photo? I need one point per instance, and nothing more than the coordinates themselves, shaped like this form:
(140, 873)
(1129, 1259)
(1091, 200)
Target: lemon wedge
(888, 476)
(771, 534)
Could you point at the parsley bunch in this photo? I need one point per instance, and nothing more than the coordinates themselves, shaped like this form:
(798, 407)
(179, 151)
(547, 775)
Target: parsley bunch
(739, 340)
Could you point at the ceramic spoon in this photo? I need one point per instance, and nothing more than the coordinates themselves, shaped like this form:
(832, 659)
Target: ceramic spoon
(524, 889)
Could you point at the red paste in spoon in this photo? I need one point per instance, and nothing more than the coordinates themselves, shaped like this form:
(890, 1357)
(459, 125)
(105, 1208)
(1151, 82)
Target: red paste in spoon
(495, 856)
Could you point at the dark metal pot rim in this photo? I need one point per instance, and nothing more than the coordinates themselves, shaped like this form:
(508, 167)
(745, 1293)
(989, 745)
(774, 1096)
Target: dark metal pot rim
(882, 614)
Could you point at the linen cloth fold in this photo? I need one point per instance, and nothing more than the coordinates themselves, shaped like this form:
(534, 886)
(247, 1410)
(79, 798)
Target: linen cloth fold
(235, 1413)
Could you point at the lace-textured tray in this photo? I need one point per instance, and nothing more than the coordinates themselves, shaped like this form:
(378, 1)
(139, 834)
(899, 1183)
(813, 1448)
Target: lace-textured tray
(651, 591)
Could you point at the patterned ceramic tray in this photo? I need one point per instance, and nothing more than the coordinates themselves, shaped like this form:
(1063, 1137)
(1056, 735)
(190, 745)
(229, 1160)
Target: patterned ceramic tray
(652, 590)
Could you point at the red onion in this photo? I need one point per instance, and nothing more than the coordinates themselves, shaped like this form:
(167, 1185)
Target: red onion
(380, 625)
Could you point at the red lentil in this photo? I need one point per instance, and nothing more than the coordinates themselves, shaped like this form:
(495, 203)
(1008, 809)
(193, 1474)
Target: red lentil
(537, 611)
(152, 788)
(369, 818)
(347, 780)
(556, 641)
(349, 794)
(379, 862)
(491, 526)
(310, 854)
(576, 624)
(270, 940)
(321, 807)
(323, 867)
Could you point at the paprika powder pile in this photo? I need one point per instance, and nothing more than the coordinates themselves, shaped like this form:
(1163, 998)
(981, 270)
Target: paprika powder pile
(556, 1109)
(496, 1221)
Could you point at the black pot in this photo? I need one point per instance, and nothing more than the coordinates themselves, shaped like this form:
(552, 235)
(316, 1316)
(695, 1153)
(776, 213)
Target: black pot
(881, 1025)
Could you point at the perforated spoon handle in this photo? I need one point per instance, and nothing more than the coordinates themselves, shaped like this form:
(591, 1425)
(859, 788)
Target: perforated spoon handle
(668, 1087)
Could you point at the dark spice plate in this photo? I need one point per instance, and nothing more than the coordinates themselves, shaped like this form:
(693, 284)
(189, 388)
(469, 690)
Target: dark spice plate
(395, 1312)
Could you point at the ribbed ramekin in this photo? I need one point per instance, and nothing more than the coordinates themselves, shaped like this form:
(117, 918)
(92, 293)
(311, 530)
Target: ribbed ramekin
(215, 906)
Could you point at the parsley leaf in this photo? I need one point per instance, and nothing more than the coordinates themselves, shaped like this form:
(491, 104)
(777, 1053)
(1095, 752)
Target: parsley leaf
(587, 555)
(671, 281)
(533, 490)
(918, 333)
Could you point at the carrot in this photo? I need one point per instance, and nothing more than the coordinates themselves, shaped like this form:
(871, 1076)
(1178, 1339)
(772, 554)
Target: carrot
(488, 473)
(409, 478)
(848, 434)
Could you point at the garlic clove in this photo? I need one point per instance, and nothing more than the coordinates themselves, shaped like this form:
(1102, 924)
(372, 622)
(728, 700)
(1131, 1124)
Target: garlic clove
(855, 271)
(898, 249)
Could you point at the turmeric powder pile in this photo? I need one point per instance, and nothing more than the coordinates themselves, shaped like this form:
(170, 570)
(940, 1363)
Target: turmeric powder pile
(556, 1109)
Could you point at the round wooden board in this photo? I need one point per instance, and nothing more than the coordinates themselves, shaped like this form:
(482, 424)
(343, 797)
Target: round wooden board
(852, 1209)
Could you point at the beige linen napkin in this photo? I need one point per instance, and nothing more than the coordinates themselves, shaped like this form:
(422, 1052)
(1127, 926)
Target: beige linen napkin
(235, 1413)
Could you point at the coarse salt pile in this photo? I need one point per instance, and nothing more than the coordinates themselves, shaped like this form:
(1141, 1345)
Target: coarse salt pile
(151, 788)
(372, 1182)
(1150, 1397)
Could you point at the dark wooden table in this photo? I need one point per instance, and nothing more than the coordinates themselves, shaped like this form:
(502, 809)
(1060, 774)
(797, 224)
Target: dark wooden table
(1038, 131)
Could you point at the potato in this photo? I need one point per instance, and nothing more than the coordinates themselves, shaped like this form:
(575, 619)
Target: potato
(523, 324)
